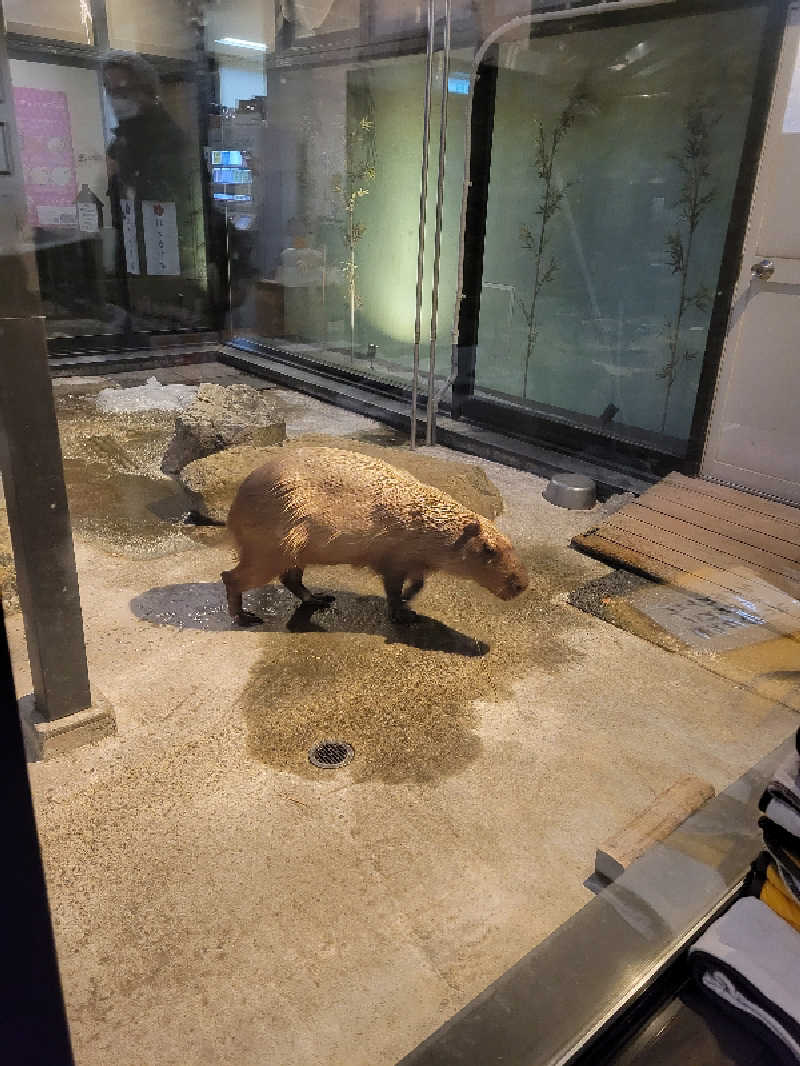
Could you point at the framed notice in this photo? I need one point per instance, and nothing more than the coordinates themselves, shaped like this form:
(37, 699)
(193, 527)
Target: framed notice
(160, 231)
(88, 221)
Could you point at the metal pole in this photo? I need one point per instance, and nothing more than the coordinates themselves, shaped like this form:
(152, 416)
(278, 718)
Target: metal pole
(423, 210)
(30, 455)
(437, 235)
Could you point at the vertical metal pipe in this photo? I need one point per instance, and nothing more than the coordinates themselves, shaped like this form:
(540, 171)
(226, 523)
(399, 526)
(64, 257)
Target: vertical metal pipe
(430, 431)
(423, 209)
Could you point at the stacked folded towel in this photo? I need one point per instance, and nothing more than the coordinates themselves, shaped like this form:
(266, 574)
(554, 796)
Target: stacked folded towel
(749, 960)
(781, 828)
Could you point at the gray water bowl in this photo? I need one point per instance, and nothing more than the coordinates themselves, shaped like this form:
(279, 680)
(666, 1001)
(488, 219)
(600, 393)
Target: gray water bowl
(573, 491)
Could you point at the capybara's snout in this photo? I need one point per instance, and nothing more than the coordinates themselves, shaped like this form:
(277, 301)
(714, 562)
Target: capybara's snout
(515, 585)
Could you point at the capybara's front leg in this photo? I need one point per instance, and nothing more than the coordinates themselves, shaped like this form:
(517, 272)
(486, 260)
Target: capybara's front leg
(413, 588)
(234, 589)
(399, 613)
(293, 581)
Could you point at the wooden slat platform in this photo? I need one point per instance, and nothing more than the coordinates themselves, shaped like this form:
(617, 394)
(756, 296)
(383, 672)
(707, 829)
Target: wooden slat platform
(703, 536)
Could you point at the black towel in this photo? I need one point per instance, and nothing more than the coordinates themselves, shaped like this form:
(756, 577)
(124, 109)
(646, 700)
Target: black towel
(748, 962)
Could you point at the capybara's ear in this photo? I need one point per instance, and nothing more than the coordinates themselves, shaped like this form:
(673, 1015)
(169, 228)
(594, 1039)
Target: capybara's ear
(472, 529)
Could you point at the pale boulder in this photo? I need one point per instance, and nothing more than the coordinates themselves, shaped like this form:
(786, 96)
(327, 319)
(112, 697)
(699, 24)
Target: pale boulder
(212, 482)
(223, 417)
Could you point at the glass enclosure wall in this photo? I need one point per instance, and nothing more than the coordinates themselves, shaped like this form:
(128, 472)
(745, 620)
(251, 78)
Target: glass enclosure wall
(613, 153)
(50, 18)
(271, 168)
(614, 159)
(114, 171)
(339, 239)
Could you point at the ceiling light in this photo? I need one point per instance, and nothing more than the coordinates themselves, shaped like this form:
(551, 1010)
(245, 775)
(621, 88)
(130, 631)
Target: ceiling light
(237, 42)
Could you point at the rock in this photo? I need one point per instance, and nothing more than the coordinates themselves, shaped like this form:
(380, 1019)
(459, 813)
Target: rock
(465, 482)
(222, 417)
(211, 483)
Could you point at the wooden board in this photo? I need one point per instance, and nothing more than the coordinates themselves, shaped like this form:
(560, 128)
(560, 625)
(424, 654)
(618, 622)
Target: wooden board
(661, 818)
(687, 531)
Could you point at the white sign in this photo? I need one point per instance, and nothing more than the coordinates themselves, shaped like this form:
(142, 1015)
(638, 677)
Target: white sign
(160, 237)
(128, 207)
(88, 222)
(55, 215)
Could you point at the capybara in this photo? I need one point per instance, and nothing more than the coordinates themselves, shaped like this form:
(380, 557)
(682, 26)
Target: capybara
(314, 505)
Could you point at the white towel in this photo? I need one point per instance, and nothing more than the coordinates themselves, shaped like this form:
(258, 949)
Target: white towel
(749, 962)
(785, 785)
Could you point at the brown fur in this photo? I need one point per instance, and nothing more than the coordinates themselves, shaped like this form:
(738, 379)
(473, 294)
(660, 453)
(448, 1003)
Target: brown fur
(314, 505)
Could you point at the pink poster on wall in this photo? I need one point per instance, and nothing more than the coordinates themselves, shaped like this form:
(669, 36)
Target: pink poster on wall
(48, 161)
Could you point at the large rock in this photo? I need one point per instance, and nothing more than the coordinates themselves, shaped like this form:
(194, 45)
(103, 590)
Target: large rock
(211, 483)
(222, 417)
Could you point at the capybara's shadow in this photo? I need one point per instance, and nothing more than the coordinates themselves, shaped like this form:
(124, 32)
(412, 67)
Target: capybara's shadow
(201, 605)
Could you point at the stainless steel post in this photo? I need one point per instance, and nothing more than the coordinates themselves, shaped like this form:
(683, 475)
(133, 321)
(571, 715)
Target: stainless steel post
(437, 234)
(423, 210)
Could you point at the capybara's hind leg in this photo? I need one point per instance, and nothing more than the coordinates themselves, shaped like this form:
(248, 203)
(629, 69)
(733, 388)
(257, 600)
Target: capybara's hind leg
(236, 582)
(293, 580)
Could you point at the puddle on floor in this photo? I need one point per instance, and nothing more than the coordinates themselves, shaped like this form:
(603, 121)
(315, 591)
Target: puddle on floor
(118, 509)
(128, 443)
(404, 697)
(117, 494)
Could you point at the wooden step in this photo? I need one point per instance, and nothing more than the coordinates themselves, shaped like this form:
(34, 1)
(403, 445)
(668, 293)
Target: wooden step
(653, 825)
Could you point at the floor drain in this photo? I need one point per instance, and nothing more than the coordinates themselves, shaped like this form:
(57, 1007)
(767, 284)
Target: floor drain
(330, 754)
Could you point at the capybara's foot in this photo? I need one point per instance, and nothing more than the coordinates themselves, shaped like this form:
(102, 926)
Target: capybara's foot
(401, 615)
(412, 589)
(247, 618)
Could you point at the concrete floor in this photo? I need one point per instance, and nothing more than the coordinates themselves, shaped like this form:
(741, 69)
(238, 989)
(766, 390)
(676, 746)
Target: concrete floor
(211, 906)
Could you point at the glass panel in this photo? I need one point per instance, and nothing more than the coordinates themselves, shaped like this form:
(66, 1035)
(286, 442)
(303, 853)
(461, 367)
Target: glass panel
(91, 282)
(155, 27)
(315, 18)
(614, 158)
(70, 21)
(339, 170)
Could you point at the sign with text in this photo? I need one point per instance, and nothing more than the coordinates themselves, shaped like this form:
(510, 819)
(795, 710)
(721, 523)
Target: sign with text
(160, 229)
(48, 161)
(128, 209)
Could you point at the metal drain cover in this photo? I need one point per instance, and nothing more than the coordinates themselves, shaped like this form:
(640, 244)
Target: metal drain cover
(330, 754)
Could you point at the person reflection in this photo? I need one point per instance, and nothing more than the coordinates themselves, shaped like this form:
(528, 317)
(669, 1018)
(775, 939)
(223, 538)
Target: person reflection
(147, 161)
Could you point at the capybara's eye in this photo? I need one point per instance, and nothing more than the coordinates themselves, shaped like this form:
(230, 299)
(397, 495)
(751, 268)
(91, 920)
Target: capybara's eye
(489, 552)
